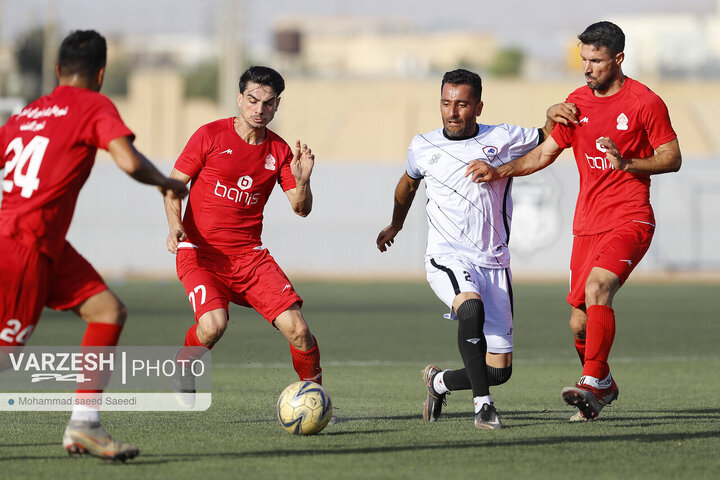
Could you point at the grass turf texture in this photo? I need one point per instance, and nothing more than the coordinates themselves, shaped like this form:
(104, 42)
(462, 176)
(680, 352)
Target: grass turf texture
(375, 339)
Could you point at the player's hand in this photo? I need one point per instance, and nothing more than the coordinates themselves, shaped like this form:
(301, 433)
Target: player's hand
(302, 163)
(387, 237)
(479, 171)
(176, 236)
(564, 113)
(612, 153)
(173, 188)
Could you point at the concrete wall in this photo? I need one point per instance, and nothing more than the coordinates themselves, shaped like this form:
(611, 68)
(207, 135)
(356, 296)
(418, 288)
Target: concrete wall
(120, 225)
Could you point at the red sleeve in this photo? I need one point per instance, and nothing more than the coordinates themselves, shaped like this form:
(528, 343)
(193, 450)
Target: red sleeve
(192, 158)
(286, 179)
(106, 124)
(656, 120)
(562, 134)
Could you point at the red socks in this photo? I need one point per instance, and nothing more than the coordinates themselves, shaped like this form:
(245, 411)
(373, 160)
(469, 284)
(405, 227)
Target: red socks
(99, 335)
(580, 348)
(600, 333)
(191, 340)
(307, 364)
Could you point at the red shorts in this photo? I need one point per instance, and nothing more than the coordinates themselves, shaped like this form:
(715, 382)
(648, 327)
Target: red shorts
(251, 279)
(618, 250)
(30, 281)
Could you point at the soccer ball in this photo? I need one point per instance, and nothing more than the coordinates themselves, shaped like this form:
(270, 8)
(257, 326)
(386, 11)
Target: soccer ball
(304, 408)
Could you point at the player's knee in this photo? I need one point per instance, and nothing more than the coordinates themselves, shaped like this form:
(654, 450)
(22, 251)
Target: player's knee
(210, 329)
(596, 292)
(299, 336)
(498, 376)
(114, 312)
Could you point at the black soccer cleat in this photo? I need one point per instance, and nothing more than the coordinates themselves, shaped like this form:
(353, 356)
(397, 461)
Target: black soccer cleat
(432, 408)
(487, 418)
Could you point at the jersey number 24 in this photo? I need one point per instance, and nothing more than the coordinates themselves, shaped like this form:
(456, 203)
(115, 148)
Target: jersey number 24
(22, 170)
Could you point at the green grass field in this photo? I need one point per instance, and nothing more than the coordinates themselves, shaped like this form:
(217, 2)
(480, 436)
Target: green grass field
(375, 339)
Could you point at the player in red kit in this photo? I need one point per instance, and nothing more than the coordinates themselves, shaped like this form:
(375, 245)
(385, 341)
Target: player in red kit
(48, 150)
(621, 134)
(233, 164)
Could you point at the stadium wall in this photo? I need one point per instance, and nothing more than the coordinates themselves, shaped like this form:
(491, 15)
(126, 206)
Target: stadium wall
(120, 225)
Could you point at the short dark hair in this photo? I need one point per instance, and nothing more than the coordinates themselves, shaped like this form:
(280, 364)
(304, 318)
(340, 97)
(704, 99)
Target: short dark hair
(262, 76)
(464, 77)
(604, 34)
(82, 52)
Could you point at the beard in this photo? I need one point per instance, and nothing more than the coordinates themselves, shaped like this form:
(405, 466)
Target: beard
(595, 84)
(463, 131)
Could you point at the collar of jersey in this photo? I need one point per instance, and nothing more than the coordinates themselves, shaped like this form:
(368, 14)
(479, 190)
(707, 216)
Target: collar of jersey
(459, 139)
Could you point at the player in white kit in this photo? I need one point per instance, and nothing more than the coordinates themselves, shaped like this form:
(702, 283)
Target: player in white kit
(467, 257)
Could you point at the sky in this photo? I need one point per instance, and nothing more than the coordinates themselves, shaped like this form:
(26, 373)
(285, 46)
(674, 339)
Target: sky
(514, 21)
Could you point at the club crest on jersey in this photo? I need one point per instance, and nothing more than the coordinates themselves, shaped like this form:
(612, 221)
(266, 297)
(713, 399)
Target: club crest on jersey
(622, 122)
(490, 152)
(434, 159)
(269, 162)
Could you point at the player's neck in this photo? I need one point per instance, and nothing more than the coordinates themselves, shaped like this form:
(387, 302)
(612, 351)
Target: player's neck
(79, 82)
(251, 135)
(613, 88)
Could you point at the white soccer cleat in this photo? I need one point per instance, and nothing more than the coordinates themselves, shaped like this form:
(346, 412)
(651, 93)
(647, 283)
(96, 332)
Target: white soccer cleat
(89, 438)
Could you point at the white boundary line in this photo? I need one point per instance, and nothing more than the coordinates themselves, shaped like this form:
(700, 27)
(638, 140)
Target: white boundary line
(536, 361)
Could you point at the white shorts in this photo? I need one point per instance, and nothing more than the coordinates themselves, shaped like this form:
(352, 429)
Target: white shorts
(449, 275)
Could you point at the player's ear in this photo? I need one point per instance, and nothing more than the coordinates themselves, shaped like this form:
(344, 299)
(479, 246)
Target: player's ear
(619, 58)
(277, 103)
(57, 70)
(99, 77)
(240, 96)
(479, 108)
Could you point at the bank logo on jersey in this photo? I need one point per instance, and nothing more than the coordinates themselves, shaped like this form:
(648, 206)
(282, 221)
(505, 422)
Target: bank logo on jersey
(269, 162)
(245, 182)
(490, 152)
(622, 122)
(241, 196)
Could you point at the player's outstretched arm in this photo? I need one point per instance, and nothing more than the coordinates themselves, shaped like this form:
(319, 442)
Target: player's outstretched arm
(173, 210)
(667, 158)
(141, 169)
(404, 195)
(301, 167)
(536, 159)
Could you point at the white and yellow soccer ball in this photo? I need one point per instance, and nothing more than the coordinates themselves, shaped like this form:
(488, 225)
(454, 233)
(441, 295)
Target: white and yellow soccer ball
(304, 408)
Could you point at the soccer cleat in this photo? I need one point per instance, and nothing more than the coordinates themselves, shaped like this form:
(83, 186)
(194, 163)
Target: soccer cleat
(435, 401)
(89, 438)
(487, 418)
(604, 396)
(184, 388)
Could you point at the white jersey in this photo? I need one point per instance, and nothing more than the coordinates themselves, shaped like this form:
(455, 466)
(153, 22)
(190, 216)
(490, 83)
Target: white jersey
(466, 218)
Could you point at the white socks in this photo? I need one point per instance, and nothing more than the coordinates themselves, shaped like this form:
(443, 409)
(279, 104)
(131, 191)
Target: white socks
(596, 382)
(439, 384)
(480, 401)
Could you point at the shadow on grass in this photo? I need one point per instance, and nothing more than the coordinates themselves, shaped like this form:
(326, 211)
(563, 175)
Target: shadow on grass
(485, 442)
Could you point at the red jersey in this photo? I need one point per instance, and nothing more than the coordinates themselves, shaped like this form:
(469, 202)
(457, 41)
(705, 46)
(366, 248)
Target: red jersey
(231, 183)
(637, 120)
(48, 151)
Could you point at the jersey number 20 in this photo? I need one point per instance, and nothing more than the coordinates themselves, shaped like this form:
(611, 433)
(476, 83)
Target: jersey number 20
(22, 170)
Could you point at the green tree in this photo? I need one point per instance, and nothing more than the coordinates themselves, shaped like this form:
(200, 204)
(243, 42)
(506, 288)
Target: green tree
(508, 62)
(29, 57)
(201, 80)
